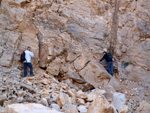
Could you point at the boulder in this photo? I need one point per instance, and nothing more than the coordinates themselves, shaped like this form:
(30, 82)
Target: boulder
(109, 92)
(28, 87)
(68, 108)
(144, 107)
(44, 101)
(81, 94)
(7, 58)
(55, 106)
(95, 74)
(63, 99)
(95, 93)
(115, 83)
(91, 97)
(54, 66)
(2, 99)
(80, 62)
(29, 108)
(82, 109)
(119, 102)
(43, 55)
(80, 101)
(45, 81)
(100, 105)
(76, 78)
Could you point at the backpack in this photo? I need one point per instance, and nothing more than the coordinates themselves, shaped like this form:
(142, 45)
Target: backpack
(22, 57)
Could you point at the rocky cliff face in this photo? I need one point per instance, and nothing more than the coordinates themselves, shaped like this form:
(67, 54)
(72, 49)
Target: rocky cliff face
(68, 36)
(133, 38)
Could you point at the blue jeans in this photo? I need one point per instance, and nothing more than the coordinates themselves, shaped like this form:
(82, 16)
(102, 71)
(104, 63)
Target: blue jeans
(110, 67)
(25, 69)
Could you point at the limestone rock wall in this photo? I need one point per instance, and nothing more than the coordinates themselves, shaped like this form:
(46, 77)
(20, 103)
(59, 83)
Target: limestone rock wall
(64, 35)
(133, 38)
(67, 38)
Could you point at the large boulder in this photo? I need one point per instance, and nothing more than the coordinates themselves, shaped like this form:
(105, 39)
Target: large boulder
(115, 83)
(43, 55)
(63, 99)
(54, 67)
(6, 59)
(119, 102)
(68, 108)
(2, 99)
(29, 108)
(100, 105)
(94, 94)
(144, 107)
(95, 74)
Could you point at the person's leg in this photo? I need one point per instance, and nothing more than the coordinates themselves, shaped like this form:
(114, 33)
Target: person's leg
(31, 69)
(108, 67)
(111, 68)
(25, 70)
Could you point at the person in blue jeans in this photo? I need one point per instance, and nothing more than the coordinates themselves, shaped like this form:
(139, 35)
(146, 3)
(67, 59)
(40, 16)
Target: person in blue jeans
(27, 62)
(109, 59)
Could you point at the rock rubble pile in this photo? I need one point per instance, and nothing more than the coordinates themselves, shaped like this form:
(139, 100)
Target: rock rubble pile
(61, 96)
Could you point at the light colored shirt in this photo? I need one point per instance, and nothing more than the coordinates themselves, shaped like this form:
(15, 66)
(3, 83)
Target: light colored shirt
(28, 55)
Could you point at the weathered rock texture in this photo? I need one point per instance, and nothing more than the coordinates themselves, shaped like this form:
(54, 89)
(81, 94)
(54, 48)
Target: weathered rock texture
(133, 44)
(29, 108)
(63, 36)
(68, 36)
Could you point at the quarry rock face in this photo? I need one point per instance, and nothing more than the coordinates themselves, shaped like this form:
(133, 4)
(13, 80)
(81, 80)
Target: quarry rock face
(100, 105)
(67, 39)
(133, 38)
(144, 107)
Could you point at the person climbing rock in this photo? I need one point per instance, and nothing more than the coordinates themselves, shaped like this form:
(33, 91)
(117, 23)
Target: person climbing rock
(109, 59)
(27, 62)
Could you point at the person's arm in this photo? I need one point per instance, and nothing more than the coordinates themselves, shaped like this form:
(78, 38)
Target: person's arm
(31, 54)
(102, 58)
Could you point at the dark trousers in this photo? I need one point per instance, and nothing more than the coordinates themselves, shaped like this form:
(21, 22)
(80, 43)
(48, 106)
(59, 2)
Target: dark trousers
(110, 67)
(25, 69)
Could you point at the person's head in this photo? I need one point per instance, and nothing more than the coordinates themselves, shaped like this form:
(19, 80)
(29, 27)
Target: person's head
(104, 50)
(29, 48)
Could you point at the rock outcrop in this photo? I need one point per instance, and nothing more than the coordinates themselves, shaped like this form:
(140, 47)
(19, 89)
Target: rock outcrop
(67, 38)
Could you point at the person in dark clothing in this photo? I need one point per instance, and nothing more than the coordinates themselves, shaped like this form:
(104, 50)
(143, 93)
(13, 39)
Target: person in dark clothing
(109, 59)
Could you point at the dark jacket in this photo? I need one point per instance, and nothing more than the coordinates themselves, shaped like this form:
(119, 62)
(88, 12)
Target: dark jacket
(108, 57)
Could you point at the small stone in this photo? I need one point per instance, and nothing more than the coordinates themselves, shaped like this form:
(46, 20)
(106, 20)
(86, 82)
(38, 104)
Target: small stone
(2, 99)
(62, 99)
(68, 108)
(55, 106)
(81, 94)
(80, 101)
(44, 101)
(91, 97)
(45, 81)
(29, 88)
(82, 109)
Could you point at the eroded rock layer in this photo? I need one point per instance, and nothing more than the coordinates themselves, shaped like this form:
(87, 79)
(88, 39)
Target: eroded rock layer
(67, 38)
